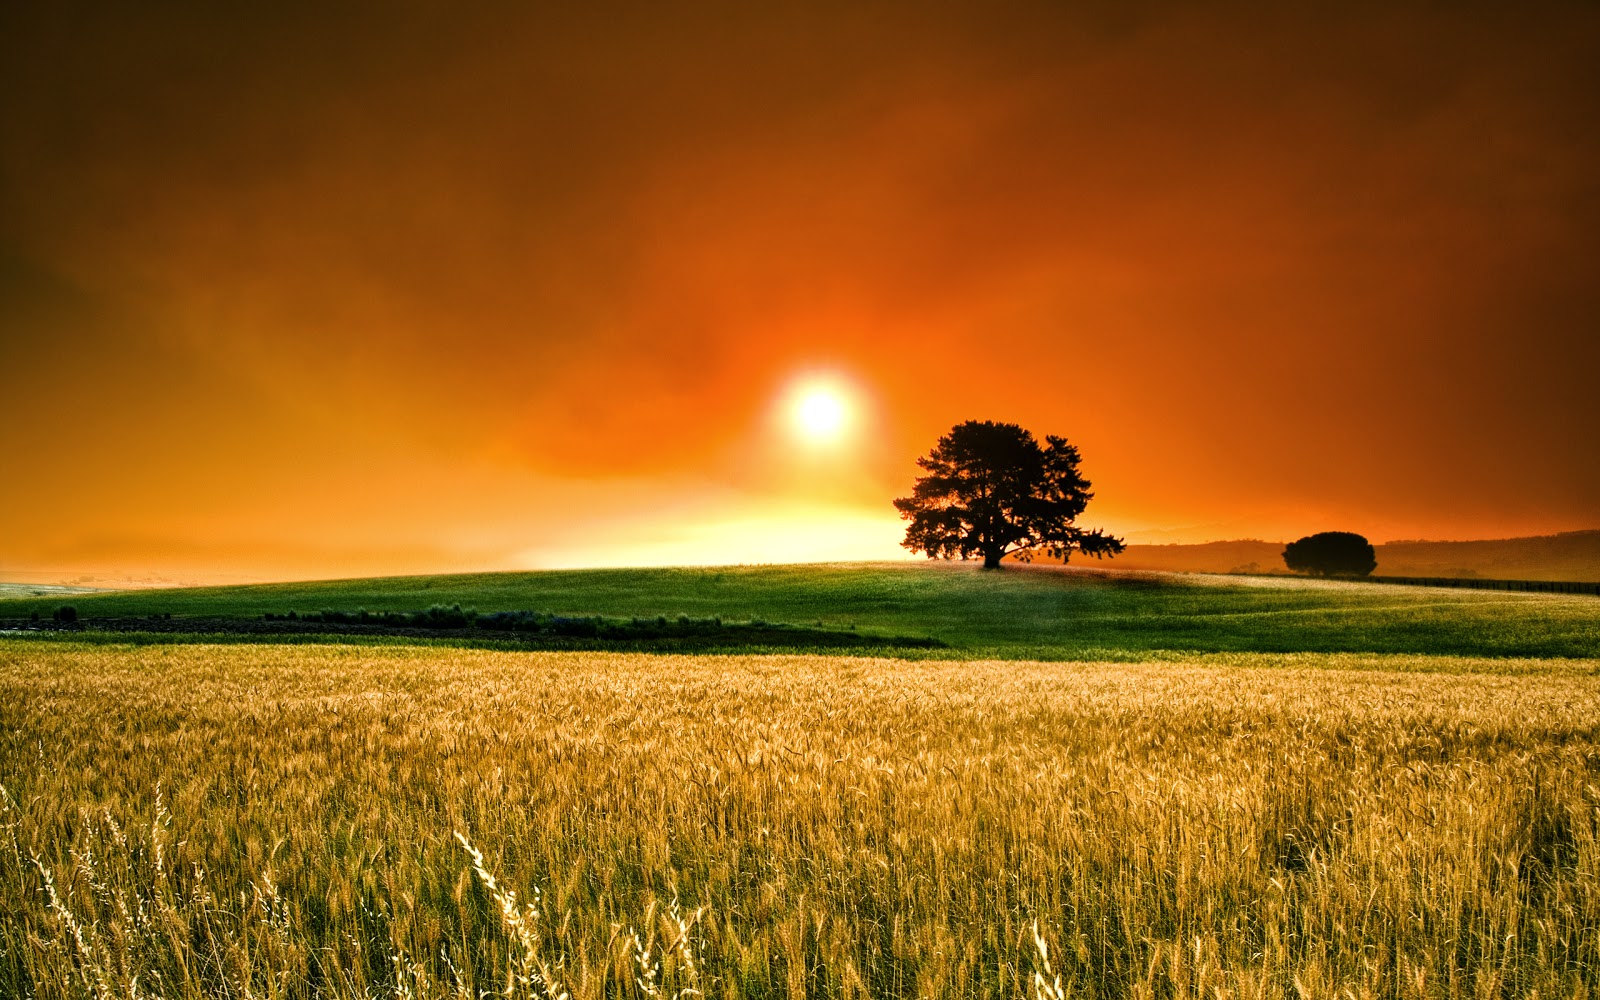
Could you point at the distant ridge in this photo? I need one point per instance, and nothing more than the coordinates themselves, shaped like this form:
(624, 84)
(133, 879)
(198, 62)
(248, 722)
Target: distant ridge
(1570, 555)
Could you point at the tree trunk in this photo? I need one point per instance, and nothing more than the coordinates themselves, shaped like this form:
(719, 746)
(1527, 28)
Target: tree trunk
(991, 559)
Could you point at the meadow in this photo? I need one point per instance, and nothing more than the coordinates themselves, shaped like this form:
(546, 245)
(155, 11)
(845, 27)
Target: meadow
(1023, 613)
(1212, 805)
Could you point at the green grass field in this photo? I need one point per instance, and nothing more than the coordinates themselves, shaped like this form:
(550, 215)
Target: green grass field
(1016, 613)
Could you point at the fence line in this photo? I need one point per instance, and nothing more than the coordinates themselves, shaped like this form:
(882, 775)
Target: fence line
(1475, 583)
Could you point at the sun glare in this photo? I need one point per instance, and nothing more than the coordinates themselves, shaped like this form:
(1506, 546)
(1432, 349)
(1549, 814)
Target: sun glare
(820, 411)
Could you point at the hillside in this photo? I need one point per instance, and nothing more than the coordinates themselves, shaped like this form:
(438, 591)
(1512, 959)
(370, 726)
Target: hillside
(1571, 555)
(1021, 613)
(1246, 556)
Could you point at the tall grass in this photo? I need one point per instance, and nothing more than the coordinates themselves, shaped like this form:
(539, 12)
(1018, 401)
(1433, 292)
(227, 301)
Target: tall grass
(310, 821)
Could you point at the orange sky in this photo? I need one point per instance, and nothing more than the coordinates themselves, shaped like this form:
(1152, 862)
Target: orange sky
(300, 293)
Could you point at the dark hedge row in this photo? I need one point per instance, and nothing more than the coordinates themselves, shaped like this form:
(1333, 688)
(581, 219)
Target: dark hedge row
(635, 629)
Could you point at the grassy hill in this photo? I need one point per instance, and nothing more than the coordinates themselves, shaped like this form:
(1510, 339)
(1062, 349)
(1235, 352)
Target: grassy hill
(1040, 612)
(1243, 556)
(1571, 555)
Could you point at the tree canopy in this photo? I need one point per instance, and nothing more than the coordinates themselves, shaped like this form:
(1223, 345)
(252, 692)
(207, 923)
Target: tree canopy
(1331, 553)
(992, 490)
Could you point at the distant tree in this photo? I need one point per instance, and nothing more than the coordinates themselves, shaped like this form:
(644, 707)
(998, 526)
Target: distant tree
(66, 614)
(1331, 553)
(991, 490)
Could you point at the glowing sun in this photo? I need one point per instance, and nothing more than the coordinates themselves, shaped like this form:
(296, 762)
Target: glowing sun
(819, 410)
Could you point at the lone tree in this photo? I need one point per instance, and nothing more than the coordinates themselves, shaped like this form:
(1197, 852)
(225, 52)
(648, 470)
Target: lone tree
(991, 490)
(1331, 553)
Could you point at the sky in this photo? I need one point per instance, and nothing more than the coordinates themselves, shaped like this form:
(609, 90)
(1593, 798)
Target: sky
(320, 290)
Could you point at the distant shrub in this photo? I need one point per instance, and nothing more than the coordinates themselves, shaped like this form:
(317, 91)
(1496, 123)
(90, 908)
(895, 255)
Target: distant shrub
(439, 616)
(1331, 553)
(66, 614)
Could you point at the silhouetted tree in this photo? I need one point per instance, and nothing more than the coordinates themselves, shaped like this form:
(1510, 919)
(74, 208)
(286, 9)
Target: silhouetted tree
(1329, 553)
(992, 490)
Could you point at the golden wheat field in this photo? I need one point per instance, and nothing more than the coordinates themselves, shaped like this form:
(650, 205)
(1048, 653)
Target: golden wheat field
(323, 821)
